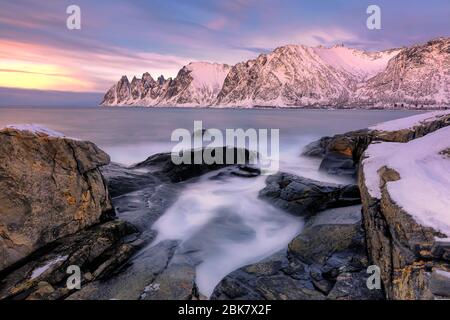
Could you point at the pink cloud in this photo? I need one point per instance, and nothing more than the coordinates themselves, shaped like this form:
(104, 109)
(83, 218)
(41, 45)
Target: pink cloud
(87, 70)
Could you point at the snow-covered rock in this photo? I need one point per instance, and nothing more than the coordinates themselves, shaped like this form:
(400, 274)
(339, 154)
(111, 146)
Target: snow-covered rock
(403, 169)
(301, 76)
(405, 190)
(35, 129)
(423, 185)
(409, 123)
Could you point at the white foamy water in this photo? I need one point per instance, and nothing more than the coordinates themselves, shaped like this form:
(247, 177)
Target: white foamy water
(225, 223)
(227, 226)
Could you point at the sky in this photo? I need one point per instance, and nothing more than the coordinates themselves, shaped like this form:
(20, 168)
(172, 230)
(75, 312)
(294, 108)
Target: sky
(118, 37)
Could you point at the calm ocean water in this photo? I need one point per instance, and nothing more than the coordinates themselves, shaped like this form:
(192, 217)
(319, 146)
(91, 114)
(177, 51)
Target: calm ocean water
(132, 134)
(222, 221)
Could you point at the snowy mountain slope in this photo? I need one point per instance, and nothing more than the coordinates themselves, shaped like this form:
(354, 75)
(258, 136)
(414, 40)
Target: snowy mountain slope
(297, 75)
(196, 84)
(359, 63)
(301, 76)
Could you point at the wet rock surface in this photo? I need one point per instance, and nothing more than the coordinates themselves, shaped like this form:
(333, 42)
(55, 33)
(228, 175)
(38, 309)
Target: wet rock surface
(326, 261)
(305, 197)
(164, 167)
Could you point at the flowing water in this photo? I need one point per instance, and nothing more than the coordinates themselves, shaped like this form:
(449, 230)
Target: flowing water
(221, 220)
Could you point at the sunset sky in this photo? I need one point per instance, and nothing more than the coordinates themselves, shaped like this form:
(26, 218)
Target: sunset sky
(118, 37)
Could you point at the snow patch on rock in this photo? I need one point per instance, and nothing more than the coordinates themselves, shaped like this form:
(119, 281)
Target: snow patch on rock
(410, 122)
(423, 190)
(36, 129)
(40, 270)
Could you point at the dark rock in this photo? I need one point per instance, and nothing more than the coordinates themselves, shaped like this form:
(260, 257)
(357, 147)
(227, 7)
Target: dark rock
(136, 278)
(164, 166)
(317, 148)
(338, 164)
(122, 180)
(440, 283)
(176, 282)
(338, 229)
(97, 251)
(305, 197)
(351, 285)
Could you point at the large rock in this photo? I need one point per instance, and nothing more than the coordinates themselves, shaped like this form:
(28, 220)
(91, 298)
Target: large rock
(405, 192)
(163, 166)
(305, 197)
(50, 187)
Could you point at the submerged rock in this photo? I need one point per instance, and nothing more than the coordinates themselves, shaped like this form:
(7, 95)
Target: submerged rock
(50, 187)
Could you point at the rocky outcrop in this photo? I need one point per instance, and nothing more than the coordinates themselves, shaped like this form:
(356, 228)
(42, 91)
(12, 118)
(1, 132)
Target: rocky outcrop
(342, 153)
(407, 230)
(163, 166)
(412, 253)
(50, 187)
(326, 261)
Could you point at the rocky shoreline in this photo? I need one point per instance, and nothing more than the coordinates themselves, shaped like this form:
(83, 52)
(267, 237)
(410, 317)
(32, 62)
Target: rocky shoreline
(64, 204)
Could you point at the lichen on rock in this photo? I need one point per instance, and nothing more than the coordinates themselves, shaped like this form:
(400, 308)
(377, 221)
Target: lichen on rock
(50, 187)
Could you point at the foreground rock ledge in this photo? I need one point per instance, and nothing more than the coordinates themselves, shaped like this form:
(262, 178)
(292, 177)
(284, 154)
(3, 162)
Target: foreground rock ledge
(50, 187)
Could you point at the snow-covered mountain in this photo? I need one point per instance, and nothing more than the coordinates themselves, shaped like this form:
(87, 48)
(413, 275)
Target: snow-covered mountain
(301, 76)
(196, 84)
(417, 76)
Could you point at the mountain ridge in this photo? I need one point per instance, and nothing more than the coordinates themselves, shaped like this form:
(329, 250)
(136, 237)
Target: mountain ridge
(293, 76)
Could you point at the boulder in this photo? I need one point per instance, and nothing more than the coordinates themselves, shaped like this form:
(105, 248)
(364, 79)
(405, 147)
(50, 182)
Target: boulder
(305, 197)
(50, 187)
(163, 166)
